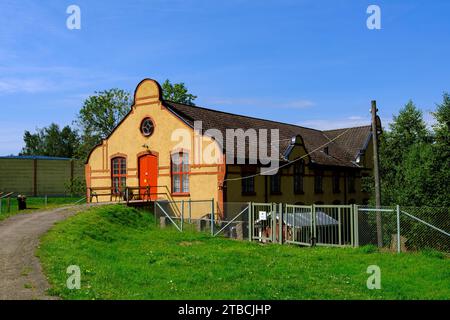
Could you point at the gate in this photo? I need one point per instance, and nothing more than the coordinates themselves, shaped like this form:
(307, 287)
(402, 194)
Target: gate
(334, 225)
(262, 222)
(298, 225)
(322, 225)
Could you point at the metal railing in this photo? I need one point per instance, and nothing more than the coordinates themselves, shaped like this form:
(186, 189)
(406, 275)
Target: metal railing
(8, 201)
(180, 212)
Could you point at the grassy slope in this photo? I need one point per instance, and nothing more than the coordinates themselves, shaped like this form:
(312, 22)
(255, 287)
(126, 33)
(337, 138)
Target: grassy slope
(34, 204)
(123, 255)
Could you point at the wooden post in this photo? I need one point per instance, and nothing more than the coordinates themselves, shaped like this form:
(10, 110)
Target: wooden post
(376, 172)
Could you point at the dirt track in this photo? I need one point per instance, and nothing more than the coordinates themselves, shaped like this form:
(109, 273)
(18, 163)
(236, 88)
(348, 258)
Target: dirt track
(21, 276)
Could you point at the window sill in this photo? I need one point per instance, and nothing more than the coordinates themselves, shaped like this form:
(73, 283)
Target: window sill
(180, 194)
(275, 193)
(318, 192)
(248, 193)
(337, 191)
(299, 192)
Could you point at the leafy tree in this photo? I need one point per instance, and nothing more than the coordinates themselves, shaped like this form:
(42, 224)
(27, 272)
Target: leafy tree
(177, 93)
(441, 152)
(100, 114)
(415, 163)
(407, 129)
(442, 126)
(51, 141)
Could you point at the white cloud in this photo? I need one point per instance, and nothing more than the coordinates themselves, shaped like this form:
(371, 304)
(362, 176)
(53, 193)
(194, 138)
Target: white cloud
(338, 123)
(30, 85)
(297, 104)
(10, 138)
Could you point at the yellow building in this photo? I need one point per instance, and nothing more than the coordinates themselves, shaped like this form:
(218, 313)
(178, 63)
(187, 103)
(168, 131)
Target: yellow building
(157, 153)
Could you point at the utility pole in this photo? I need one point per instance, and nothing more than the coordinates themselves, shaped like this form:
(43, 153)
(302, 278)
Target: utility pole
(376, 171)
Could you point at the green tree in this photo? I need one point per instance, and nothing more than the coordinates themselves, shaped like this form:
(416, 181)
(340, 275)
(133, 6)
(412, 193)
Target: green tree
(441, 153)
(100, 114)
(407, 130)
(51, 141)
(415, 163)
(177, 93)
(442, 126)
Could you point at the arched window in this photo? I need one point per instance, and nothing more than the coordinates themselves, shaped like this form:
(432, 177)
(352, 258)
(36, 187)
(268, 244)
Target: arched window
(180, 173)
(119, 174)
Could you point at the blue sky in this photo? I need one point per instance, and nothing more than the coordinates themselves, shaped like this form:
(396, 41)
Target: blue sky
(313, 63)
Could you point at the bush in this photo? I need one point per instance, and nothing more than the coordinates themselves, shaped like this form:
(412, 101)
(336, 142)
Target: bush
(370, 248)
(75, 186)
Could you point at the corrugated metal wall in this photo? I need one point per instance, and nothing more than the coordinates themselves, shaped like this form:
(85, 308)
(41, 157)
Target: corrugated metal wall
(37, 177)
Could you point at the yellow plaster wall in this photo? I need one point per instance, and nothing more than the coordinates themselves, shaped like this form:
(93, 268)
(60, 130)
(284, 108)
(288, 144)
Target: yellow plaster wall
(128, 141)
(234, 188)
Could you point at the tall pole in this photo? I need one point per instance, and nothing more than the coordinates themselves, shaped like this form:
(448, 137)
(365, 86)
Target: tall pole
(376, 171)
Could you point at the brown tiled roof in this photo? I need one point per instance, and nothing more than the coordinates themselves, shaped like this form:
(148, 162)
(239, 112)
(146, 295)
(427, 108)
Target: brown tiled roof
(341, 152)
(351, 139)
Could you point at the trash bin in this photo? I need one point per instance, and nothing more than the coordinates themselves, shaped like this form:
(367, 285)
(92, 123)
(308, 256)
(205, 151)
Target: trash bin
(22, 202)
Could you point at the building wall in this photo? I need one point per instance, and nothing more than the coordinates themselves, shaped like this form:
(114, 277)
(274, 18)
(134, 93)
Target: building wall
(38, 177)
(205, 178)
(309, 196)
(128, 141)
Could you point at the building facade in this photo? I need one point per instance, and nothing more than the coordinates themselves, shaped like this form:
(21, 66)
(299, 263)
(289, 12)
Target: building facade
(156, 152)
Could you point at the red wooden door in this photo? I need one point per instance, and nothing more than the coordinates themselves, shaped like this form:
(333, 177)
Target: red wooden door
(148, 177)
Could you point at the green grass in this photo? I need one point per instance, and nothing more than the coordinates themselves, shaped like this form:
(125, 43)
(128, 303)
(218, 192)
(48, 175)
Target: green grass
(34, 204)
(122, 254)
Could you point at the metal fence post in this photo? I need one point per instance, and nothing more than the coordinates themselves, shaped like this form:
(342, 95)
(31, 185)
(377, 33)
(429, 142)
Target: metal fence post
(339, 226)
(182, 214)
(154, 212)
(46, 201)
(1, 200)
(354, 226)
(399, 250)
(250, 216)
(280, 226)
(212, 216)
(313, 224)
(189, 209)
(274, 222)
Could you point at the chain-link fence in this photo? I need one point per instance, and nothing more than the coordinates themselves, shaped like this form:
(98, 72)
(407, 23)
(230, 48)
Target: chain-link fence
(394, 228)
(425, 227)
(404, 229)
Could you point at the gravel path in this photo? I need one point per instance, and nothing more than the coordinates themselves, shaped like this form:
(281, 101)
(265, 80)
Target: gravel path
(21, 276)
